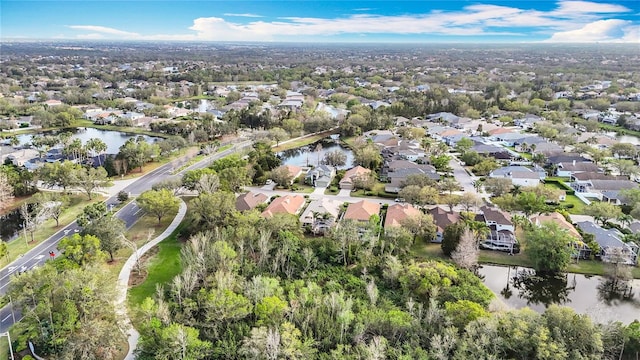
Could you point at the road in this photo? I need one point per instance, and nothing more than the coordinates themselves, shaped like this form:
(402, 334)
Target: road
(129, 214)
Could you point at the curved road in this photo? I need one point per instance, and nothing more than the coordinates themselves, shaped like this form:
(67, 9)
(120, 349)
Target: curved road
(129, 214)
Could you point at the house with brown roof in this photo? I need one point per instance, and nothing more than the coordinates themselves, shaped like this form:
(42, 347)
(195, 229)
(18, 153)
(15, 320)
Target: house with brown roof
(288, 204)
(350, 175)
(442, 219)
(558, 219)
(397, 213)
(362, 210)
(294, 171)
(250, 200)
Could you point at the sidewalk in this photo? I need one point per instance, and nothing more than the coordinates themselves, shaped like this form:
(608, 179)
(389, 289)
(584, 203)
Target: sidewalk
(123, 280)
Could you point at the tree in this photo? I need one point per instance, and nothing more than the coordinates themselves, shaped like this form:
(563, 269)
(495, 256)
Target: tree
(68, 312)
(471, 158)
(213, 209)
(278, 134)
(208, 183)
(624, 150)
(469, 201)
(138, 152)
(367, 156)
(451, 237)
(159, 203)
(281, 176)
(54, 202)
(6, 190)
(191, 178)
(60, 174)
(109, 230)
(90, 179)
(440, 162)
(463, 145)
(485, 167)
(530, 203)
(466, 253)
(81, 249)
(335, 158)
(234, 178)
(625, 167)
(96, 146)
(602, 211)
(497, 186)
(548, 247)
(420, 226)
(448, 185)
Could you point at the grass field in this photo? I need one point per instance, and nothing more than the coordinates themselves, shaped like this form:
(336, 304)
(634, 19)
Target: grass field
(161, 268)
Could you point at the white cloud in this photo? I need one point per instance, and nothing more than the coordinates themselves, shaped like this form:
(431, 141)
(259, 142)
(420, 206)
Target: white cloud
(581, 21)
(103, 30)
(601, 30)
(574, 7)
(243, 15)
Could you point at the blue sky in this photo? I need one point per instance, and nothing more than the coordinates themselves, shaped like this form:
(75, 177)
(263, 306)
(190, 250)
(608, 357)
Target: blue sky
(325, 21)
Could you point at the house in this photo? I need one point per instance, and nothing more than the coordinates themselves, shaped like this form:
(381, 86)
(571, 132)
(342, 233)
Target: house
(321, 215)
(320, 176)
(397, 213)
(22, 157)
(609, 239)
(294, 171)
(352, 174)
(442, 219)
(501, 229)
(361, 211)
(250, 200)
(528, 121)
(519, 175)
(568, 169)
(566, 158)
(288, 204)
(601, 186)
(397, 177)
(559, 220)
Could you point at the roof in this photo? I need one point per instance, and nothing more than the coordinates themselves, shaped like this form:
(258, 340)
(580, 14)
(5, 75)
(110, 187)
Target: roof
(250, 200)
(443, 218)
(597, 176)
(613, 184)
(506, 170)
(406, 164)
(288, 204)
(499, 131)
(578, 166)
(605, 238)
(559, 220)
(524, 175)
(396, 213)
(294, 171)
(362, 210)
(354, 171)
(322, 206)
(496, 215)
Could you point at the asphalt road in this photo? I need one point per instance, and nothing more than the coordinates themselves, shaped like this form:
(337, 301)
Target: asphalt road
(129, 214)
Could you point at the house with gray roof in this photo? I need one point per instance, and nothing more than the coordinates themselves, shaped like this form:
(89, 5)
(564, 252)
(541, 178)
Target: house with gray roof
(320, 215)
(609, 239)
(520, 175)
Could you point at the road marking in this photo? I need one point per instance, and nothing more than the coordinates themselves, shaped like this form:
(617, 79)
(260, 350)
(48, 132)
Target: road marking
(6, 317)
(39, 257)
(136, 213)
(11, 268)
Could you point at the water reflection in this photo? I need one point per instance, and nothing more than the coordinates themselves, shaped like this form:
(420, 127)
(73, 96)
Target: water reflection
(312, 155)
(599, 297)
(543, 289)
(113, 139)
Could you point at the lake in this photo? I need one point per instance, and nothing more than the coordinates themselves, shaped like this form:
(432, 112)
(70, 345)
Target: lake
(312, 155)
(113, 139)
(10, 225)
(595, 296)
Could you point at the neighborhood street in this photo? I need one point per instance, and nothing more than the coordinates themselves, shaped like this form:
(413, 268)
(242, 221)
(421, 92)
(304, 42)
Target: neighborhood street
(129, 214)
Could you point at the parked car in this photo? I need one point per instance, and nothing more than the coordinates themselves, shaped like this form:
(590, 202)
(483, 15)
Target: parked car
(513, 248)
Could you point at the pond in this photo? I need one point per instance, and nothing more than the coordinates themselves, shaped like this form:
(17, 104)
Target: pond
(11, 224)
(312, 155)
(628, 139)
(113, 139)
(595, 296)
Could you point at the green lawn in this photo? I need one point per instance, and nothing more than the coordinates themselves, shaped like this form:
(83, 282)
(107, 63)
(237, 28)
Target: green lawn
(619, 130)
(578, 205)
(161, 268)
(302, 142)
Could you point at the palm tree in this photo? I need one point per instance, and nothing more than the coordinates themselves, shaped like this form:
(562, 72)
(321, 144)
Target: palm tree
(13, 141)
(625, 219)
(98, 146)
(520, 220)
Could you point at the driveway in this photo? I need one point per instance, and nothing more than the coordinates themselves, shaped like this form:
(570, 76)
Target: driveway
(344, 193)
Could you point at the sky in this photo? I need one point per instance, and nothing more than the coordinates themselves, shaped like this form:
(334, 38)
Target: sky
(427, 21)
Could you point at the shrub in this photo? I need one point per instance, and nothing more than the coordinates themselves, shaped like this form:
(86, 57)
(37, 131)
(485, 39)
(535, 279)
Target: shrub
(122, 196)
